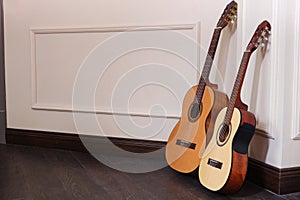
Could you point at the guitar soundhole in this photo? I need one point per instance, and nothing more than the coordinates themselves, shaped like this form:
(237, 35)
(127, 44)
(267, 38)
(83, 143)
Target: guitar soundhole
(194, 111)
(223, 134)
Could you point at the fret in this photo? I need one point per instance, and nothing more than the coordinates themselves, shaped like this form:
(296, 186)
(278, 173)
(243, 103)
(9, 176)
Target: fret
(228, 15)
(204, 79)
(237, 86)
(260, 35)
(211, 53)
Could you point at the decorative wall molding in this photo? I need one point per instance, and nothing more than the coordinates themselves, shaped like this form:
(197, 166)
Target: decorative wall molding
(63, 108)
(175, 27)
(296, 75)
(104, 111)
(280, 181)
(275, 89)
(263, 133)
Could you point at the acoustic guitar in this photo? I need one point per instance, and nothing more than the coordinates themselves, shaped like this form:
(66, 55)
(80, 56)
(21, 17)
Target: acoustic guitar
(224, 163)
(187, 140)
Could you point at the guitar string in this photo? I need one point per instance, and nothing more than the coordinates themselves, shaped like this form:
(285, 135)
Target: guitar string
(207, 66)
(236, 89)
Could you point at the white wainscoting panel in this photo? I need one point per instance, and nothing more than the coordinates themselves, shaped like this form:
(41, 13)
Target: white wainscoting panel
(59, 54)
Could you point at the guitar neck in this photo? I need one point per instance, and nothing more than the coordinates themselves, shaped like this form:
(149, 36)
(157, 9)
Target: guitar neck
(237, 87)
(260, 35)
(204, 79)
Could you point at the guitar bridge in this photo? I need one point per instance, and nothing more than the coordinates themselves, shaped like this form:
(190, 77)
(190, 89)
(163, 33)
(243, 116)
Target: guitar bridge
(186, 144)
(214, 163)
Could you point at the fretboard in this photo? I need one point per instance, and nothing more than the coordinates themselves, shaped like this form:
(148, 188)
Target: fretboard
(208, 64)
(237, 87)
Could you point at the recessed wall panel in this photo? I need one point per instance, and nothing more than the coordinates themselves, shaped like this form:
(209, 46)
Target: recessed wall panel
(150, 77)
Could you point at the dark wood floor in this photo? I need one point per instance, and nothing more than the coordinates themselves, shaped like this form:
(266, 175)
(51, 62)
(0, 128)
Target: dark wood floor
(37, 173)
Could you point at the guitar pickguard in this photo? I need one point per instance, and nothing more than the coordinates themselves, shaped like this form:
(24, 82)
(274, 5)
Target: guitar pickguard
(242, 138)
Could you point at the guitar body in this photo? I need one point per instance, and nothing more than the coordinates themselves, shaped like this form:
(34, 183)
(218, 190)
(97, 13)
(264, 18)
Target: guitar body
(224, 164)
(188, 138)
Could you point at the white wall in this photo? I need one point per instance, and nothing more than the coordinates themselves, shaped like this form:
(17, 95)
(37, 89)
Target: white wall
(49, 42)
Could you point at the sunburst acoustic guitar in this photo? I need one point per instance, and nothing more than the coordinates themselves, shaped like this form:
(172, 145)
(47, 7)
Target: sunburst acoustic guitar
(188, 138)
(224, 163)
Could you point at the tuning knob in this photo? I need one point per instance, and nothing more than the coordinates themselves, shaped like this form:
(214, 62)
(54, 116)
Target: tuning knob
(266, 35)
(266, 38)
(268, 31)
(234, 17)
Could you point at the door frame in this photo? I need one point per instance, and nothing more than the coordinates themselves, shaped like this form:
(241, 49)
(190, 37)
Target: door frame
(3, 124)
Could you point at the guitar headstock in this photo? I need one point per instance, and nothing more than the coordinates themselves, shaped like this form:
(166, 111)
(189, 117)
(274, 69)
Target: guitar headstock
(228, 15)
(260, 35)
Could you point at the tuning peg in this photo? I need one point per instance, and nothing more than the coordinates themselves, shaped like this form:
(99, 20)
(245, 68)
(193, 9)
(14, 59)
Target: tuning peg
(262, 44)
(266, 38)
(235, 8)
(234, 17)
(268, 31)
(267, 35)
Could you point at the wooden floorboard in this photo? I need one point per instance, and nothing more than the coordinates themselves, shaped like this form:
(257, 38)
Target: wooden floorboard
(280, 181)
(28, 172)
